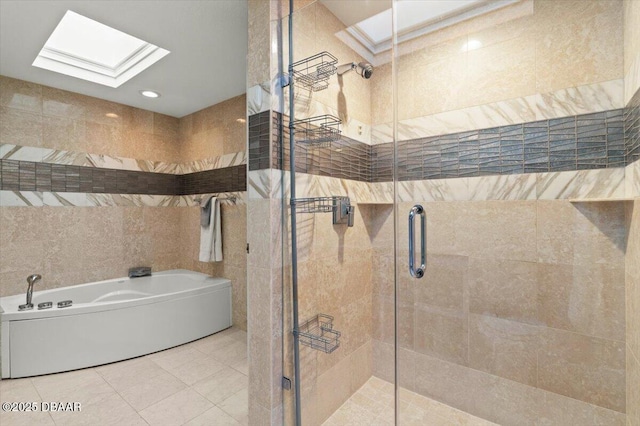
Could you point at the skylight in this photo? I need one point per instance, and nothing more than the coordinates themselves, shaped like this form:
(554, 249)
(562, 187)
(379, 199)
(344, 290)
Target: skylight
(418, 18)
(83, 48)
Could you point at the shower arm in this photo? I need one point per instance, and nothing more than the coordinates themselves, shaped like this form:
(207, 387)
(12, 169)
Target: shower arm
(345, 68)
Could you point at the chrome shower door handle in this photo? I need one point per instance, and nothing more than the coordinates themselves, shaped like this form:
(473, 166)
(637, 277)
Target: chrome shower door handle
(419, 272)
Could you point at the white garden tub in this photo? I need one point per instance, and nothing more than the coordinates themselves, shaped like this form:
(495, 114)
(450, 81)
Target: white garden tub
(111, 321)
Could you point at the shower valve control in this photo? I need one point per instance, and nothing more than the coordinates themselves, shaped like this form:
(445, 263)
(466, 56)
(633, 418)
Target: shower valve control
(343, 211)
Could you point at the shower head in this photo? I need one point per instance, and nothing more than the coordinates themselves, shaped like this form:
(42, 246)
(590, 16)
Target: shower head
(364, 69)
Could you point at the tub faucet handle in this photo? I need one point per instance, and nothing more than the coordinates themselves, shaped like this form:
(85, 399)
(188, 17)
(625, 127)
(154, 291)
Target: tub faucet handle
(32, 279)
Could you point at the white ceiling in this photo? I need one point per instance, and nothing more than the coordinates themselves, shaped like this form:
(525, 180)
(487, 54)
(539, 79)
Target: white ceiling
(207, 40)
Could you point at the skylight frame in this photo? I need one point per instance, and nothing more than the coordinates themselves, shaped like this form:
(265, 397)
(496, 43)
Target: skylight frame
(61, 60)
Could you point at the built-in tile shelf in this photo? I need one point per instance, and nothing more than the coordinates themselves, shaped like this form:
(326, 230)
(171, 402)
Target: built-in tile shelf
(602, 200)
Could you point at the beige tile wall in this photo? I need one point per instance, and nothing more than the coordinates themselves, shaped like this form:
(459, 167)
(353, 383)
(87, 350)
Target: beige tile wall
(534, 51)
(40, 116)
(334, 278)
(631, 47)
(73, 245)
(234, 264)
(214, 131)
(350, 95)
(527, 295)
(632, 281)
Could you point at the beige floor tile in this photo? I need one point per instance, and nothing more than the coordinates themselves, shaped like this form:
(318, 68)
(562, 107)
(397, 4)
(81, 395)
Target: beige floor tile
(112, 410)
(125, 374)
(83, 386)
(368, 404)
(234, 333)
(351, 414)
(150, 390)
(237, 406)
(221, 385)
(18, 418)
(176, 409)
(213, 343)
(14, 390)
(155, 389)
(213, 417)
(415, 409)
(417, 416)
(230, 353)
(192, 372)
(169, 352)
(241, 365)
(177, 357)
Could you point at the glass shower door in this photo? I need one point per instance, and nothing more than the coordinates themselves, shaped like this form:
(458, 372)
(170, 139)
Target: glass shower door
(519, 315)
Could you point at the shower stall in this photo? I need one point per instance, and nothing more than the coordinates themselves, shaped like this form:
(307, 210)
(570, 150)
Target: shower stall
(453, 228)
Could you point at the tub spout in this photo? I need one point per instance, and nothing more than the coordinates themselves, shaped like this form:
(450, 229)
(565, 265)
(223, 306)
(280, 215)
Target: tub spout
(31, 279)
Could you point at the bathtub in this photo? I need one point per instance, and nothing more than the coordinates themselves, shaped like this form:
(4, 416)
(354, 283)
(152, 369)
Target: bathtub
(111, 321)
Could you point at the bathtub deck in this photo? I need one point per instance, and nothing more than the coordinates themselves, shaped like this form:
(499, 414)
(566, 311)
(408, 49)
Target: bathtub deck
(191, 384)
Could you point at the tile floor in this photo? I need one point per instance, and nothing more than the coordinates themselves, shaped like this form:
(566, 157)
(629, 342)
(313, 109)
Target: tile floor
(372, 405)
(199, 383)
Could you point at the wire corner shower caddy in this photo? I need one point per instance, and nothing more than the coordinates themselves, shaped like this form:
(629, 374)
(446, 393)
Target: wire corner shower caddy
(314, 72)
(318, 131)
(318, 333)
(340, 206)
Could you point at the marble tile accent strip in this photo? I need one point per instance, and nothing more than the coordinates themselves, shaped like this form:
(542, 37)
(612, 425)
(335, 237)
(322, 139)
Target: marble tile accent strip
(73, 158)
(44, 177)
(258, 98)
(70, 199)
(586, 99)
(632, 180)
(577, 184)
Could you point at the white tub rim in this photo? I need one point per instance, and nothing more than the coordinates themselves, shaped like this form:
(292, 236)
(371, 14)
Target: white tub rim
(8, 314)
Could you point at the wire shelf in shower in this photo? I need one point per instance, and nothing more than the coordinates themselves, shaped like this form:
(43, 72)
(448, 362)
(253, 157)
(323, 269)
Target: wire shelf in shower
(318, 204)
(318, 333)
(318, 131)
(314, 72)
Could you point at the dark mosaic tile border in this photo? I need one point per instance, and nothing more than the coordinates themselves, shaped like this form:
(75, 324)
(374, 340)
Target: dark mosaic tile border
(259, 141)
(30, 176)
(588, 141)
(632, 129)
(227, 179)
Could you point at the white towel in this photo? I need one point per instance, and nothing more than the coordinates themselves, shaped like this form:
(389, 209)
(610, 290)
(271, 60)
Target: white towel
(211, 236)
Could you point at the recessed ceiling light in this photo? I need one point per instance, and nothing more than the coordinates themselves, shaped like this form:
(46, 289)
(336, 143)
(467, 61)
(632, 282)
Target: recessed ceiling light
(83, 48)
(150, 93)
(111, 115)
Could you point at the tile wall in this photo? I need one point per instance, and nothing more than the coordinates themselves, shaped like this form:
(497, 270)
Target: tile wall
(554, 89)
(588, 141)
(632, 281)
(515, 294)
(109, 193)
